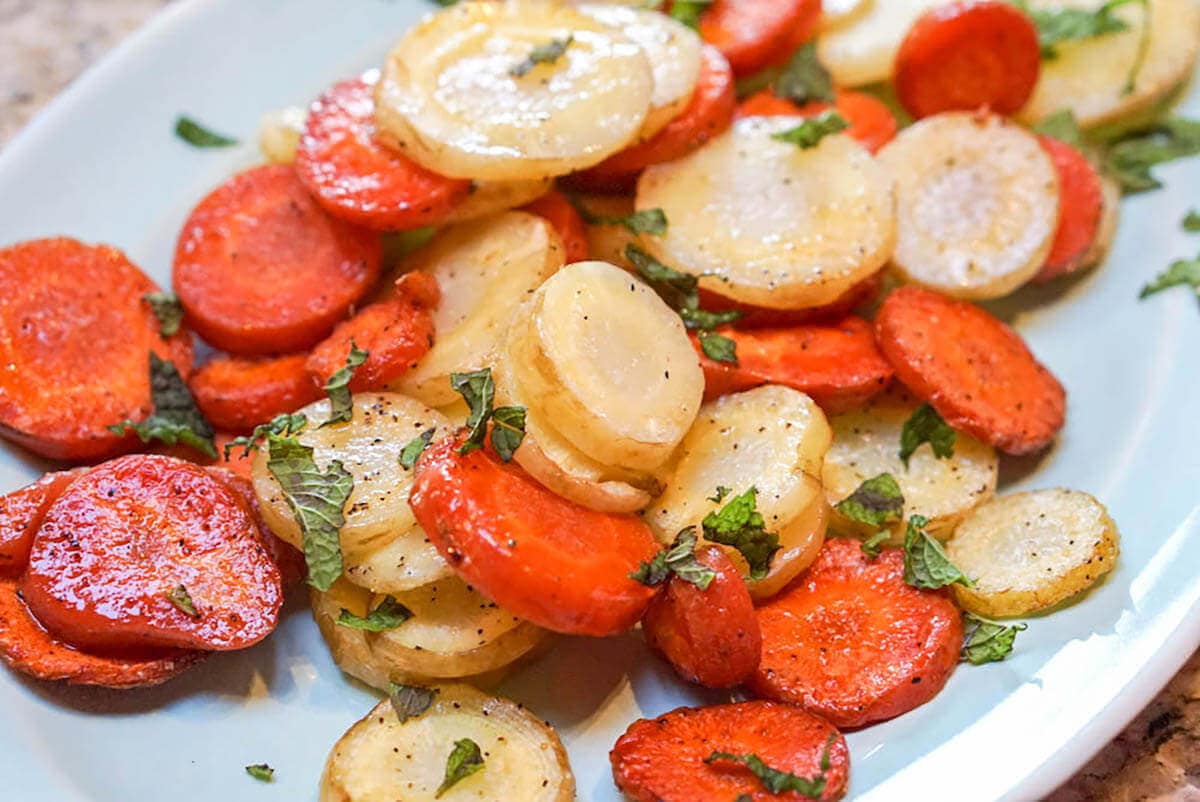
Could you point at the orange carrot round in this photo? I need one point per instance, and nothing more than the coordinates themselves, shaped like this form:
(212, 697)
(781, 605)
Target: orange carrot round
(1081, 207)
(710, 636)
(261, 269)
(543, 558)
(962, 56)
(708, 114)
(753, 34)
(666, 759)
(395, 333)
(850, 641)
(75, 339)
(27, 647)
(558, 211)
(837, 364)
(975, 370)
(238, 393)
(88, 586)
(358, 179)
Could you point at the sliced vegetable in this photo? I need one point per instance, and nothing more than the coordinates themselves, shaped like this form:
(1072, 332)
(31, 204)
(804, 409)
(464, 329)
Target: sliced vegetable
(975, 370)
(754, 34)
(1081, 208)
(238, 393)
(261, 269)
(554, 563)
(74, 334)
(852, 642)
(863, 51)
(709, 634)
(872, 124)
(88, 587)
(667, 759)
(21, 513)
(555, 209)
(1029, 551)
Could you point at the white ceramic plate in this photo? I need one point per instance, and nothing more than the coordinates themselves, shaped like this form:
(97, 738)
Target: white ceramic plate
(101, 164)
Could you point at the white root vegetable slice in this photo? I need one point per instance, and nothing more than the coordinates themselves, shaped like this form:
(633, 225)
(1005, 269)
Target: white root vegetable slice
(490, 198)
(977, 204)
(863, 51)
(378, 518)
(1091, 76)
(450, 97)
(612, 366)
(771, 438)
(523, 756)
(549, 457)
(673, 50)
(1029, 551)
(443, 639)
(866, 443)
(279, 134)
(485, 270)
(607, 243)
(769, 223)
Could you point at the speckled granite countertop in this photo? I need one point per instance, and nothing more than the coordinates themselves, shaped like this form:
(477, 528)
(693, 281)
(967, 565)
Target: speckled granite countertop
(46, 43)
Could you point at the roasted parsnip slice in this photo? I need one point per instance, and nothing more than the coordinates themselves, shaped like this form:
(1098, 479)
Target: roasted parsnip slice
(485, 271)
(382, 759)
(514, 90)
(863, 50)
(770, 223)
(1030, 551)
(977, 204)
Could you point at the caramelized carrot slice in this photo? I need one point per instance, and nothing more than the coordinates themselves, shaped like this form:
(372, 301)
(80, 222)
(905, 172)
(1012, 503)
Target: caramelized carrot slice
(359, 179)
(708, 114)
(114, 549)
(753, 34)
(261, 269)
(664, 759)
(558, 212)
(75, 334)
(850, 641)
(395, 333)
(965, 55)
(21, 513)
(26, 647)
(709, 636)
(543, 558)
(238, 393)
(839, 364)
(1081, 207)
(871, 121)
(975, 370)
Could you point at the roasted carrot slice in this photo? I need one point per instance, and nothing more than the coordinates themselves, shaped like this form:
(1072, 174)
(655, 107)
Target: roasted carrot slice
(129, 547)
(288, 559)
(543, 558)
(359, 179)
(1081, 207)
(558, 212)
(965, 55)
(757, 317)
(753, 34)
(395, 333)
(975, 370)
(708, 114)
(75, 334)
(709, 636)
(838, 364)
(666, 759)
(871, 121)
(850, 641)
(26, 647)
(261, 269)
(238, 393)
(21, 513)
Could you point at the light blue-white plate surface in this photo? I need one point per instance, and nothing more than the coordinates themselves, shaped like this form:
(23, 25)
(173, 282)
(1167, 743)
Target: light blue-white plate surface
(101, 164)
